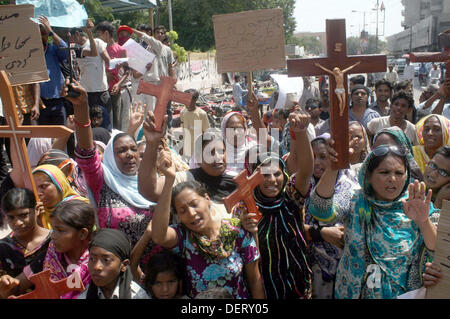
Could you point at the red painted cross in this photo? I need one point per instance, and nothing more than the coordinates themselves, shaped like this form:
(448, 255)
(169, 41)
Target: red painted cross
(164, 93)
(45, 288)
(341, 64)
(244, 192)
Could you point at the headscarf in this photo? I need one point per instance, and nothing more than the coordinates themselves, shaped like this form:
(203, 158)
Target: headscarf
(283, 248)
(101, 134)
(383, 228)
(61, 183)
(266, 204)
(420, 155)
(36, 147)
(124, 185)
(116, 242)
(366, 150)
(236, 155)
(403, 141)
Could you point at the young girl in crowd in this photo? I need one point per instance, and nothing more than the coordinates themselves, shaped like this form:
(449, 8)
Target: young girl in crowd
(388, 226)
(28, 241)
(109, 258)
(73, 223)
(164, 276)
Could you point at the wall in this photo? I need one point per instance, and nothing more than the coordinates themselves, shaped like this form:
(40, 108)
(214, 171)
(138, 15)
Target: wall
(199, 72)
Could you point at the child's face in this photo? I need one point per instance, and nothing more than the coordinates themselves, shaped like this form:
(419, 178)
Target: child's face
(97, 121)
(21, 220)
(100, 151)
(65, 237)
(105, 267)
(165, 286)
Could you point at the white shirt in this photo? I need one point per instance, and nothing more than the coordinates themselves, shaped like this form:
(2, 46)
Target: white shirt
(445, 110)
(435, 74)
(391, 76)
(136, 292)
(383, 122)
(164, 57)
(92, 69)
(408, 72)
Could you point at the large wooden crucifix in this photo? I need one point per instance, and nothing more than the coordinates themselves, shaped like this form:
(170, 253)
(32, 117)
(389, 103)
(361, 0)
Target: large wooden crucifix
(244, 192)
(164, 93)
(337, 65)
(443, 56)
(17, 132)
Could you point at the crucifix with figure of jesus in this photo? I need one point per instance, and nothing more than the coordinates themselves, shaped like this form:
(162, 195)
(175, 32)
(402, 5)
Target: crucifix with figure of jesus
(337, 65)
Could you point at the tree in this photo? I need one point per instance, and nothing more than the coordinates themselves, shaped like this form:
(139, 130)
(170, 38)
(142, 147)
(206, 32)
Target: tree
(193, 18)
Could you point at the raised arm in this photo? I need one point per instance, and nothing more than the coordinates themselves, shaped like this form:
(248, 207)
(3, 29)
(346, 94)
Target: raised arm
(162, 234)
(149, 183)
(298, 122)
(351, 67)
(325, 69)
(258, 123)
(83, 130)
(93, 46)
(137, 252)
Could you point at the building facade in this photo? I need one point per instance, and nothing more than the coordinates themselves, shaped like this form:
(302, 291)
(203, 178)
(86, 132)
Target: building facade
(423, 21)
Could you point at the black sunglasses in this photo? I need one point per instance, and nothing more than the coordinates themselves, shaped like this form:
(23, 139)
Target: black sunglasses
(385, 149)
(441, 171)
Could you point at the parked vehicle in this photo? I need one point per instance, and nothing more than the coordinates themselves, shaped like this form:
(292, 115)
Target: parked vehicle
(400, 65)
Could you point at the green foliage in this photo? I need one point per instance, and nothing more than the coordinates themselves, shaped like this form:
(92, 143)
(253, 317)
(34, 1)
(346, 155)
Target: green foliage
(97, 12)
(179, 53)
(193, 18)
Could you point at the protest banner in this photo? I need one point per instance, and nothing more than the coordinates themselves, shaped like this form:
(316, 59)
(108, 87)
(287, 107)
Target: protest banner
(21, 51)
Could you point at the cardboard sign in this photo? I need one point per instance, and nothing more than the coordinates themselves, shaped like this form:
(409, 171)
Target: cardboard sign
(250, 41)
(21, 50)
(442, 255)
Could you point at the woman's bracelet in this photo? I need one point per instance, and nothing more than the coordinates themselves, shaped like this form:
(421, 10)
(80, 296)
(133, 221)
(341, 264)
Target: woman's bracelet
(88, 124)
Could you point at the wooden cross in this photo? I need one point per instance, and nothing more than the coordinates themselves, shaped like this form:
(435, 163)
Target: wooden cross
(164, 93)
(46, 288)
(244, 192)
(444, 56)
(17, 132)
(338, 59)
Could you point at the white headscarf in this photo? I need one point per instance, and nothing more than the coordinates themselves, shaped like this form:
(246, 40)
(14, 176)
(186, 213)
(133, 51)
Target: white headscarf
(124, 185)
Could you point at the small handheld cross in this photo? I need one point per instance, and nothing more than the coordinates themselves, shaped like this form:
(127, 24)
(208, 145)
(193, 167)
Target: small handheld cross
(45, 288)
(164, 93)
(244, 192)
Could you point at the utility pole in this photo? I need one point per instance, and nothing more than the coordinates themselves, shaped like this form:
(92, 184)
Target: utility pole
(376, 34)
(170, 15)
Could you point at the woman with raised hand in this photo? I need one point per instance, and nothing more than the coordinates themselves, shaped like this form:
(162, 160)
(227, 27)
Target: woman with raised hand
(218, 252)
(280, 232)
(389, 226)
(112, 181)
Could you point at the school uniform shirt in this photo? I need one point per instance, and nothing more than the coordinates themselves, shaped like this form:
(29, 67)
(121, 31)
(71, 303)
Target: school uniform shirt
(383, 122)
(92, 69)
(136, 292)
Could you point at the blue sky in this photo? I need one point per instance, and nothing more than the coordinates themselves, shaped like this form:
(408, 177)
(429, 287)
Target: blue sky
(311, 15)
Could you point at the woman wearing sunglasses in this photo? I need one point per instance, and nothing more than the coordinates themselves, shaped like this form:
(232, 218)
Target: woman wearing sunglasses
(389, 226)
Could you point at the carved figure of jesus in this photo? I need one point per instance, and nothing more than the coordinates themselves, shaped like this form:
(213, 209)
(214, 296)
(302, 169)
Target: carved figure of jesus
(340, 88)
